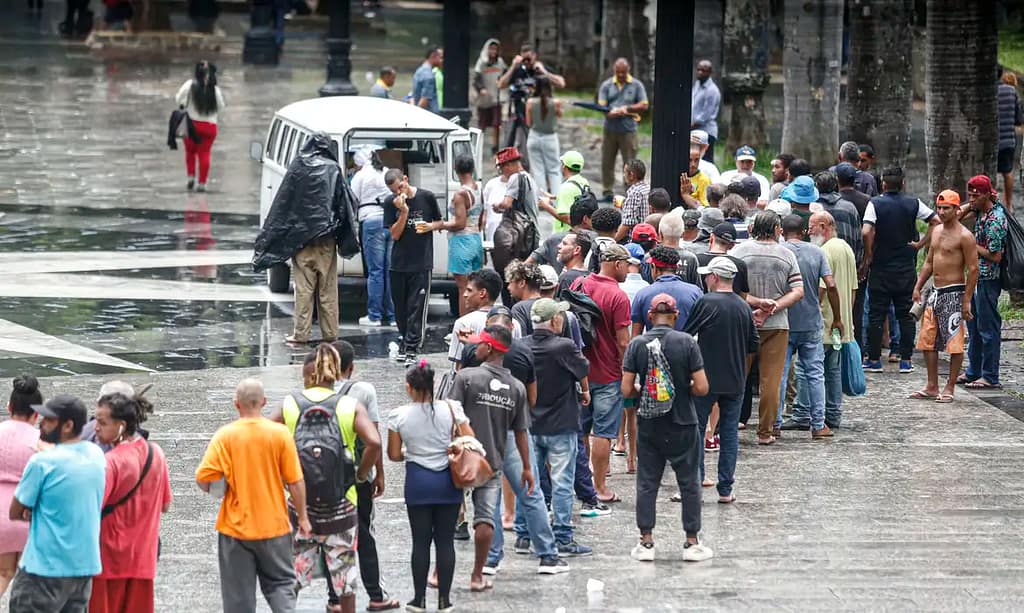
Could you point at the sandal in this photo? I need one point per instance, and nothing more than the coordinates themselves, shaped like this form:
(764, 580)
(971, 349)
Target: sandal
(726, 499)
(944, 398)
(981, 384)
(922, 395)
(707, 483)
(383, 605)
(962, 379)
(614, 498)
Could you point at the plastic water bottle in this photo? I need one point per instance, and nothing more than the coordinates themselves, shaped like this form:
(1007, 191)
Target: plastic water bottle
(837, 341)
(392, 350)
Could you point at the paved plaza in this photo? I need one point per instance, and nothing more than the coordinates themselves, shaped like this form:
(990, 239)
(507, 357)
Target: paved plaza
(108, 268)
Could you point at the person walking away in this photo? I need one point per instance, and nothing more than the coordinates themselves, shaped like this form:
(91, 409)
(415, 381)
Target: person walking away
(572, 186)
(253, 456)
(951, 250)
(705, 100)
(419, 434)
(843, 264)
(664, 263)
(670, 231)
(60, 495)
(635, 208)
(1010, 118)
(985, 328)
(410, 214)
(805, 330)
(542, 146)
(554, 425)
(625, 98)
(724, 327)
(602, 418)
(366, 395)
(203, 100)
(137, 493)
(370, 191)
(18, 441)
(667, 368)
(425, 93)
(465, 246)
(488, 69)
(385, 81)
(312, 220)
(320, 417)
(773, 275)
(845, 174)
(890, 255)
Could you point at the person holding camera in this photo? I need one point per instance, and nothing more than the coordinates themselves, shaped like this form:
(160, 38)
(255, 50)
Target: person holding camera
(521, 79)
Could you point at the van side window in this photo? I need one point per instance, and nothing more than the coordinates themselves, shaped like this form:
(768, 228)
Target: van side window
(272, 139)
(282, 151)
(289, 149)
(460, 148)
(300, 141)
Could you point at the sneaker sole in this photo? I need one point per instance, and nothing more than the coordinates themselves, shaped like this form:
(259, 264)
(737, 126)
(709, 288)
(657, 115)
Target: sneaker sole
(552, 570)
(906, 372)
(874, 370)
(566, 554)
(651, 559)
(490, 572)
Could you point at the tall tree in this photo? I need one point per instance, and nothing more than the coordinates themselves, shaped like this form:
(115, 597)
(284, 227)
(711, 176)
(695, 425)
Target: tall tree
(745, 70)
(962, 133)
(879, 86)
(810, 64)
(707, 31)
(626, 32)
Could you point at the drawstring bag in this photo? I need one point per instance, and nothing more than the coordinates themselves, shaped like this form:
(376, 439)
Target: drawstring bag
(659, 390)
(854, 383)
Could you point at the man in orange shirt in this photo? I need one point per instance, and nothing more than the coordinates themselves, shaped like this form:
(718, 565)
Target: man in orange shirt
(253, 456)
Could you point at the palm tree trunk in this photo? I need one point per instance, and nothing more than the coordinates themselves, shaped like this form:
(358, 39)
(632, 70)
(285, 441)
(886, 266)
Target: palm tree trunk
(880, 82)
(962, 133)
(810, 62)
(745, 70)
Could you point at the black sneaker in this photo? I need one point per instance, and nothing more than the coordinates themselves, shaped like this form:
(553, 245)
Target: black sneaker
(191, 185)
(522, 545)
(789, 424)
(574, 549)
(595, 509)
(462, 531)
(410, 358)
(552, 565)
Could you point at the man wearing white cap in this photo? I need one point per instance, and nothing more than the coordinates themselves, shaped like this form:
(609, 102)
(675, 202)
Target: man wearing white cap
(700, 137)
(745, 159)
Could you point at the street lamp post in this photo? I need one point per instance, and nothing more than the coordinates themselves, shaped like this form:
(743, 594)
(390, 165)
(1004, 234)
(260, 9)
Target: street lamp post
(339, 43)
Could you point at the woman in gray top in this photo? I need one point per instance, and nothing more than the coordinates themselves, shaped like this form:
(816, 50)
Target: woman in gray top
(542, 147)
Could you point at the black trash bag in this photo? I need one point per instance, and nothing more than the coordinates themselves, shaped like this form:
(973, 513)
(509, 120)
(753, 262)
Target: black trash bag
(314, 201)
(1011, 273)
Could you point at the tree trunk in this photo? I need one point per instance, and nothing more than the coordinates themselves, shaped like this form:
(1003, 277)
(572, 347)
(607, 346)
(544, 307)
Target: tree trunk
(880, 82)
(626, 33)
(962, 133)
(810, 62)
(707, 32)
(745, 70)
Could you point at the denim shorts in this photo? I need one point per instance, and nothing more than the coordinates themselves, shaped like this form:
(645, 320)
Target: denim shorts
(603, 415)
(465, 253)
(485, 500)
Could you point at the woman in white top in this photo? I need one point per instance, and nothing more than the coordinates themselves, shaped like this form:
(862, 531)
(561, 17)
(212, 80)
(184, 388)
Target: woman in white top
(201, 97)
(370, 191)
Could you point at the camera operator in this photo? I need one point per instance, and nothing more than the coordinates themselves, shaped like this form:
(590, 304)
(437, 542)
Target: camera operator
(521, 79)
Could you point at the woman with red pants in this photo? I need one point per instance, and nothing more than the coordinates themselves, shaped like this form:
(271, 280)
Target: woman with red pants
(201, 97)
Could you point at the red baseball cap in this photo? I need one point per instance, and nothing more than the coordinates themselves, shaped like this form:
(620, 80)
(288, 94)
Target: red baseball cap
(644, 232)
(982, 184)
(664, 303)
(508, 154)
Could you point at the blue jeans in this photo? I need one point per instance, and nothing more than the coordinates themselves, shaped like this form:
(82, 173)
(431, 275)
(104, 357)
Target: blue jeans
(810, 376)
(377, 243)
(728, 433)
(985, 331)
(894, 328)
(833, 393)
(602, 417)
(534, 512)
(560, 451)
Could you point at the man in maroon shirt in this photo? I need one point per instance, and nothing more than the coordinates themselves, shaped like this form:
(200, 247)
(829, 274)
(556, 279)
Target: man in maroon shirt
(604, 414)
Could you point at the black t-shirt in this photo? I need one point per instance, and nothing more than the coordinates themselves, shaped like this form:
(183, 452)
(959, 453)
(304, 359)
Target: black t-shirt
(568, 277)
(683, 356)
(521, 313)
(739, 283)
(725, 331)
(560, 365)
(413, 252)
(519, 361)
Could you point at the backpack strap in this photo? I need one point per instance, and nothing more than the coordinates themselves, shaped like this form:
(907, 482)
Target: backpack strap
(108, 509)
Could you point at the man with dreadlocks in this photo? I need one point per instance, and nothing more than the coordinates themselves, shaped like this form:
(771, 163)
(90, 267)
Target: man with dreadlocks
(323, 420)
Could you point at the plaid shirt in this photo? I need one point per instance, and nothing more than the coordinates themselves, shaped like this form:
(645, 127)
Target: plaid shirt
(635, 208)
(990, 233)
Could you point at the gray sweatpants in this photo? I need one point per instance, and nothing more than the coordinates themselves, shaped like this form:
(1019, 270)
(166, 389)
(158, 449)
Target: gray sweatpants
(242, 562)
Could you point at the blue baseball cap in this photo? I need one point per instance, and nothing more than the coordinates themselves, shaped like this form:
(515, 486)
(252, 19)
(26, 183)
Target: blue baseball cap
(746, 152)
(800, 191)
(636, 251)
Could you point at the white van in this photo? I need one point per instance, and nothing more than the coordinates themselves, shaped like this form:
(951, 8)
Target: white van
(423, 144)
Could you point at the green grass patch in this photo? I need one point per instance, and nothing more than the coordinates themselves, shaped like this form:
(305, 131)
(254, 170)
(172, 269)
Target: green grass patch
(1011, 49)
(1007, 311)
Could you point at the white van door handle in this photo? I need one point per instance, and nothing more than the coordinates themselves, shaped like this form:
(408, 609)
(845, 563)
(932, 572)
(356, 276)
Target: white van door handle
(270, 187)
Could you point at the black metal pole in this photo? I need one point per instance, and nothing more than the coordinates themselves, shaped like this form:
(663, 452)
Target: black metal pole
(260, 45)
(339, 43)
(456, 60)
(673, 59)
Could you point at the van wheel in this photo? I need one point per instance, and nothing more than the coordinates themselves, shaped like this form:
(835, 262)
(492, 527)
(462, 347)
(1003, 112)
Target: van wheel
(278, 277)
(453, 302)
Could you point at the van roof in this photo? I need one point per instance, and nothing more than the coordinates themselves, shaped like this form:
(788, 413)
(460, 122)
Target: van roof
(339, 114)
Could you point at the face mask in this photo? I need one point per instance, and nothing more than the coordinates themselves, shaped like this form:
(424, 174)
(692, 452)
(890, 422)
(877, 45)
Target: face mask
(53, 436)
(817, 239)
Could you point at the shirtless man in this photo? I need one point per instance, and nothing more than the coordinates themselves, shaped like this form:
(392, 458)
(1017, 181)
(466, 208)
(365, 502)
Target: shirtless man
(950, 250)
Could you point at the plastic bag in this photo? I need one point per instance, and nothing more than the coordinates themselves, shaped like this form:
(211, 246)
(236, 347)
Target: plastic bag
(1011, 272)
(854, 383)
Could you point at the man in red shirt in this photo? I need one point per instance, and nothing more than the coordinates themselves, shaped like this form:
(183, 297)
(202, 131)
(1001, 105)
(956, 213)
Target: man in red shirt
(604, 414)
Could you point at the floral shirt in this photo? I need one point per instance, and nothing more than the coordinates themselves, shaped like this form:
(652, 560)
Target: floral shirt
(990, 233)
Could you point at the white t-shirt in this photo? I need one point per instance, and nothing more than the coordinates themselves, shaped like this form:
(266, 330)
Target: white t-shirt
(494, 193)
(710, 170)
(368, 186)
(426, 431)
(474, 322)
(184, 98)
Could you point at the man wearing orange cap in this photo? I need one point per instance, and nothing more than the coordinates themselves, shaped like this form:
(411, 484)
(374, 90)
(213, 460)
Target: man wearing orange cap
(950, 250)
(985, 329)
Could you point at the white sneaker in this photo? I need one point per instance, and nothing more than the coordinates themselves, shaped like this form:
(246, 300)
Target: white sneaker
(641, 553)
(366, 321)
(491, 570)
(697, 553)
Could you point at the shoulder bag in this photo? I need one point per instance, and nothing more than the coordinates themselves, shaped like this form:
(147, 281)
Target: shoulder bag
(110, 508)
(469, 467)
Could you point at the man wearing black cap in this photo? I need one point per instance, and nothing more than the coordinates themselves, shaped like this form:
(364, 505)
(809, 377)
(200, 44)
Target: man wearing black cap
(723, 238)
(60, 492)
(846, 174)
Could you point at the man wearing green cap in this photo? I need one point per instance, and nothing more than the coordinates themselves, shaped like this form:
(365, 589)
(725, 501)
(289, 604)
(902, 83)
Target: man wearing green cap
(573, 184)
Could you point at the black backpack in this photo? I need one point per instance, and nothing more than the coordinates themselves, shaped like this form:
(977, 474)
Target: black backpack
(328, 464)
(585, 196)
(586, 311)
(515, 238)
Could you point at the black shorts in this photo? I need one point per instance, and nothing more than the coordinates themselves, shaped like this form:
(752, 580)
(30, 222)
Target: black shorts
(1005, 163)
